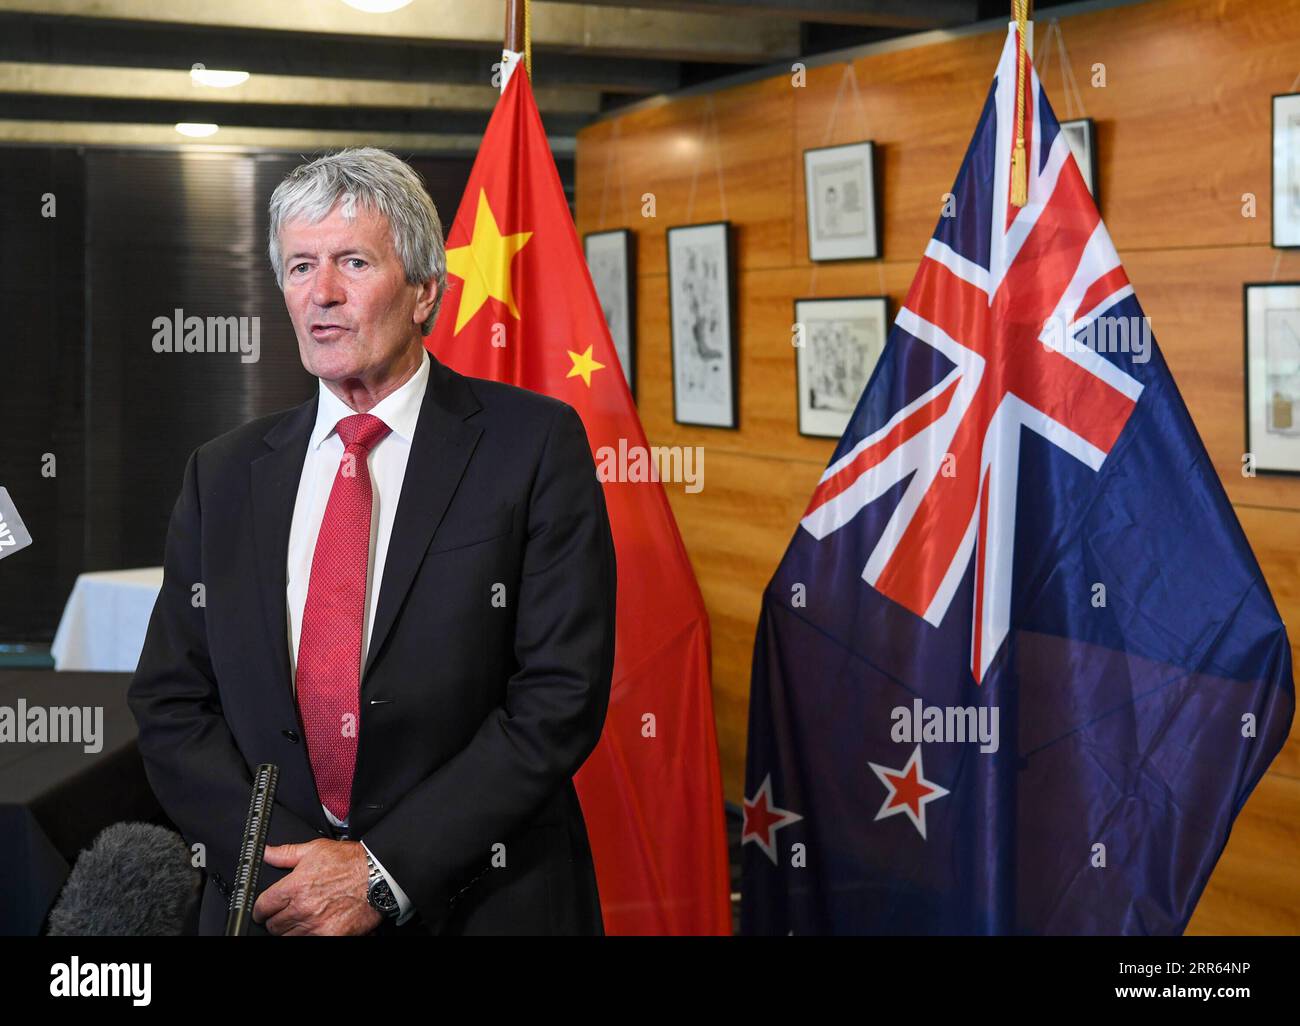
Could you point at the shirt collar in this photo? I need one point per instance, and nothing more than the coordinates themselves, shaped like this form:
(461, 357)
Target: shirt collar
(400, 410)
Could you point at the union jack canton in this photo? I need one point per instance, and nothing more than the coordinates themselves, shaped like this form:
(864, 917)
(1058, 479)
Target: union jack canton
(999, 291)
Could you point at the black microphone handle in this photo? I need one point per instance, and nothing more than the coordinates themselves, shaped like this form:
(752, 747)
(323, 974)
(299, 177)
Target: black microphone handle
(244, 891)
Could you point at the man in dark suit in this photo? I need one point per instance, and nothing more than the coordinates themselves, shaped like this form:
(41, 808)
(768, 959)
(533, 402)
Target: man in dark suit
(401, 593)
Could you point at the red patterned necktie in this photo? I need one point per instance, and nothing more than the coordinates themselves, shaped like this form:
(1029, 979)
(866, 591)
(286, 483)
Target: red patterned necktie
(329, 645)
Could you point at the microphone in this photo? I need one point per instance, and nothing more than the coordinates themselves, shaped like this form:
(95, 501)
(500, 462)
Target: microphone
(243, 892)
(135, 880)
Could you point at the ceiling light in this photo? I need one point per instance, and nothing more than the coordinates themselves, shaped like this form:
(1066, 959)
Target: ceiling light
(377, 6)
(217, 79)
(197, 131)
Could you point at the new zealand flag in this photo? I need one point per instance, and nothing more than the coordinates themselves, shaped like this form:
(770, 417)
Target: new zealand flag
(1018, 670)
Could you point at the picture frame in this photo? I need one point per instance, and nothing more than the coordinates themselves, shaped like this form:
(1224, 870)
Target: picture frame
(1286, 170)
(611, 262)
(1081, 136)
(842, 202)
(838, 342)
(702, 320)
(1272, 378)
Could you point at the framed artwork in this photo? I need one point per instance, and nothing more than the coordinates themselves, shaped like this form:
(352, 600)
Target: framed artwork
(837, 345)
(1273, 376)
(843, 212)
(1286, 171)
(702, 307)
(1082, 137)
(611, 261)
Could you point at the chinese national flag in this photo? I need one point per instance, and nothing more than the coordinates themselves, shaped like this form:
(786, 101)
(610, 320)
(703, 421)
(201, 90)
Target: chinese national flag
(517, 278)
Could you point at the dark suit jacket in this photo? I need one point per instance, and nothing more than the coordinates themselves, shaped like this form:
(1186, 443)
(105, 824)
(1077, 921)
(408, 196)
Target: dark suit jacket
(475, 713)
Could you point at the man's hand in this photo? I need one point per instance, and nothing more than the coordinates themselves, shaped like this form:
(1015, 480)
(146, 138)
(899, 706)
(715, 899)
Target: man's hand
(324, 894)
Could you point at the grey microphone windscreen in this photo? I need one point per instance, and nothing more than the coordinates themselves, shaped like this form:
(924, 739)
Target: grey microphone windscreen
(135, 880)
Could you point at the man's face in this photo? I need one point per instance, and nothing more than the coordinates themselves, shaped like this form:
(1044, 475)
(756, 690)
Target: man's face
(355, 315)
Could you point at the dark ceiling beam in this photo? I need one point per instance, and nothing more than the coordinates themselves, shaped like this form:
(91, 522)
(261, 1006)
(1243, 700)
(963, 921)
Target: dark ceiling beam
(24, 107)
(288, 90)
(565, 27)
(117, 44)
(903, 14)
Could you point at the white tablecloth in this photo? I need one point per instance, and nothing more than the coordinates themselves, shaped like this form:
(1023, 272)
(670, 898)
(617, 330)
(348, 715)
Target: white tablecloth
(103, 625)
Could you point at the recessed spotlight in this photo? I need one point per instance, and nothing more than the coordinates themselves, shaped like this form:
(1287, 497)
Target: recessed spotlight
(377, 6)
(217, 79)
(197, 131)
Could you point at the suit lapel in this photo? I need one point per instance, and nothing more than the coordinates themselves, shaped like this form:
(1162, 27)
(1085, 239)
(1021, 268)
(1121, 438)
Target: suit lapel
(274, 483)
(440, 451)
(275, 477)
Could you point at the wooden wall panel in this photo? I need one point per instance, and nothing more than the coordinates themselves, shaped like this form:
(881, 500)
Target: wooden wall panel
(1183, 118)
(1183, 131)
(1253, 888)
(1193, 297)
(674, 152)
(1274, 535)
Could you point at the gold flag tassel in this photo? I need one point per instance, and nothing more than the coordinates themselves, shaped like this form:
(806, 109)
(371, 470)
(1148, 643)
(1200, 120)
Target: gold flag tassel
(1019, 173)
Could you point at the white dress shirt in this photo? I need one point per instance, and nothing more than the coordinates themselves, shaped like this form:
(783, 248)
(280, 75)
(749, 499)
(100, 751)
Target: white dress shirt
(387, 464)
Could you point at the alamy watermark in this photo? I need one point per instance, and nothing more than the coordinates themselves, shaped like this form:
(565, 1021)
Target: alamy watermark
(1100, 335)
(193, 334)
(955, 724)
(654, 463)
(58, 724)
(78, 979)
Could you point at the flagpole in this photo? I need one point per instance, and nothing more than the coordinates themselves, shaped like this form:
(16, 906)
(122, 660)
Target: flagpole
(516, 41)
(515, 25)
(1019, 177)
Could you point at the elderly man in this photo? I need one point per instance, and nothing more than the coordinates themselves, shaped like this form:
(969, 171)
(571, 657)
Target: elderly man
(400, 592)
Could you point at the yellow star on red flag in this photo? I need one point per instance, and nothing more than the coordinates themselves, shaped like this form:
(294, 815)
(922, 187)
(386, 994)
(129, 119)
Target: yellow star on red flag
(484, 265)
(583, 364)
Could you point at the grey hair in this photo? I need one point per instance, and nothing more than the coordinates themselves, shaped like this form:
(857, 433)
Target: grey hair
(381, 182)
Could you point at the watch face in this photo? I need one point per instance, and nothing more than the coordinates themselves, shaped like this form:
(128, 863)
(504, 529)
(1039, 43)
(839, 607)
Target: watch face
(381, 897)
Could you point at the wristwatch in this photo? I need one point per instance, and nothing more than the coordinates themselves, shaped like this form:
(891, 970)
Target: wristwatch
(378, 893)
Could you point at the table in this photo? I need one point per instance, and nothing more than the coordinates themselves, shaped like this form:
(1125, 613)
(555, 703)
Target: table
(104, 622)
(56, 797)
